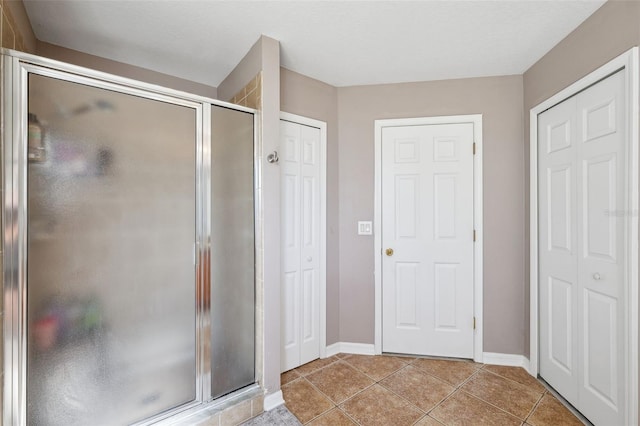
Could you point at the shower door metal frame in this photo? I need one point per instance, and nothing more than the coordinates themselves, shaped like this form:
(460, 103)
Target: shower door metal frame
(16, 66)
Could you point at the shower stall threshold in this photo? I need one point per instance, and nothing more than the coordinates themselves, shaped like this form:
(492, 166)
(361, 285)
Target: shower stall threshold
(248, 399)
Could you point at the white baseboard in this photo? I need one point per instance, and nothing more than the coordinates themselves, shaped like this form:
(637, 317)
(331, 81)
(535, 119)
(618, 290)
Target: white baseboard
(506, 359)
(273, 400)
(350, 348)
(332, 350)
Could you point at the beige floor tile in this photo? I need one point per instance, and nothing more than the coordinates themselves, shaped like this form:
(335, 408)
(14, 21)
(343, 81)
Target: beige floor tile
(428, 421)
(452, 372)
(288, 376)
(312, 366)
(550, 412)
(377, 367)
(334, 417)
(408, 388)
(304, 401)
(463, 409)
(404, 358)
(339, 381)
(517, 374)
(379, 406)
(418, 387)
(506, 394)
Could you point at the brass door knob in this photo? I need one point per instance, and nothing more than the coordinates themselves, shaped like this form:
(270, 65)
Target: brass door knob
(389, 252)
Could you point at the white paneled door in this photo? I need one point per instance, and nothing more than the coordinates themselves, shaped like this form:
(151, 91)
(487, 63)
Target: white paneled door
(427, 239)
(582, 166)
(300, 242)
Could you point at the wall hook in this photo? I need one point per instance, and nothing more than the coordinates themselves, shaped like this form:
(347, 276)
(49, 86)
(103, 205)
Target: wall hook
(273, 158)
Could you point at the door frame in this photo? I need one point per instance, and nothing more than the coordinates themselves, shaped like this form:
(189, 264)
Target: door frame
(628, 61)
(478, 285)
(306, 121)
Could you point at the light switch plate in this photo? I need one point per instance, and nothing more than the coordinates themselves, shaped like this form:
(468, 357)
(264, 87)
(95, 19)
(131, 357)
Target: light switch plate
(365, 228)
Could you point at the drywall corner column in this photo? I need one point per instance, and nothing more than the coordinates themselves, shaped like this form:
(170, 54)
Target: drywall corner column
(250, 65)
(264, 58)
(271, 212)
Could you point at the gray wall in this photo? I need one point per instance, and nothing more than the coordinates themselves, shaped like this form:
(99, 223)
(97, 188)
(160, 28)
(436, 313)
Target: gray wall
(314, 99)
(16, 32)
(499, 99)
(124, 70)
(610, 31)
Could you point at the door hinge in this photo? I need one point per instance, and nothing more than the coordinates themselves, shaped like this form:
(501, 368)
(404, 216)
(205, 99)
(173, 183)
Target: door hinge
(474, 323)
(474, 148)
(474, 235)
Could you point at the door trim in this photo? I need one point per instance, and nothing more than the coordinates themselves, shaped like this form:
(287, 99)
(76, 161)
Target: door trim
(305, 121)
(476, 120)
(628, 61)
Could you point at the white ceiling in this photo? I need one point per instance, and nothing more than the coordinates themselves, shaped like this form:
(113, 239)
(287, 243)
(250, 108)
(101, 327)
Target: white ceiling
(343, 43)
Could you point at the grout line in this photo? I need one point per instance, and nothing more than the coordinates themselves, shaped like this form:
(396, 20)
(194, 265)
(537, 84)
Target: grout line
(404, 365)
(535, 406)
(420, 419)
(349, 416)
(333, 405)
(378, 382)
(317, 369)
(425, 413)
(493, 405)
(412, 403)
(513, 380)
(455, 389)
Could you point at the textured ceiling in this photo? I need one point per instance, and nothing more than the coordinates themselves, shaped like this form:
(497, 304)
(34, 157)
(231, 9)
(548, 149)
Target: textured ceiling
(343, 43)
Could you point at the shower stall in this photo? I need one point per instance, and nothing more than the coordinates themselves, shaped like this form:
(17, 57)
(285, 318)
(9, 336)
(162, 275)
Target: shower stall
(128, 248)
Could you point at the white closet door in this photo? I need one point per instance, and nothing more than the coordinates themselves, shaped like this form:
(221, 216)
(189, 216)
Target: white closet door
(582, 197)
(601, 202)
(427, 221)
(300, 198)
(557, 162)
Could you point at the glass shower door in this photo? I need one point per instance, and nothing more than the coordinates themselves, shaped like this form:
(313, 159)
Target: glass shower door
(111, 300)
(232, 251)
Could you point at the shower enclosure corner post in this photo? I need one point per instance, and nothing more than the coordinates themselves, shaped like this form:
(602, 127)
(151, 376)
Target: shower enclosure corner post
(14, 240)
(5, 136)
(258, 242)
(6, 65)
(204, 252)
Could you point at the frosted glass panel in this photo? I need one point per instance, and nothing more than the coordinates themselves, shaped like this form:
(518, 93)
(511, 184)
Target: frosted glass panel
(232, 251)
(111, 280)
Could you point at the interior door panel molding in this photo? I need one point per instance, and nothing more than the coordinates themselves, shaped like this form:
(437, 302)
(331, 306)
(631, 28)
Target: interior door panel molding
(307, 158)
(443, 152)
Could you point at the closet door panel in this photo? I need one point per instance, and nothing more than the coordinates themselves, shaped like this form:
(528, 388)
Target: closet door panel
(558, 136)
(601, 261)
(582, 207)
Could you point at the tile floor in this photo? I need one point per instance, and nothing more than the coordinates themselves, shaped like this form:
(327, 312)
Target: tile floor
(389, 390)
